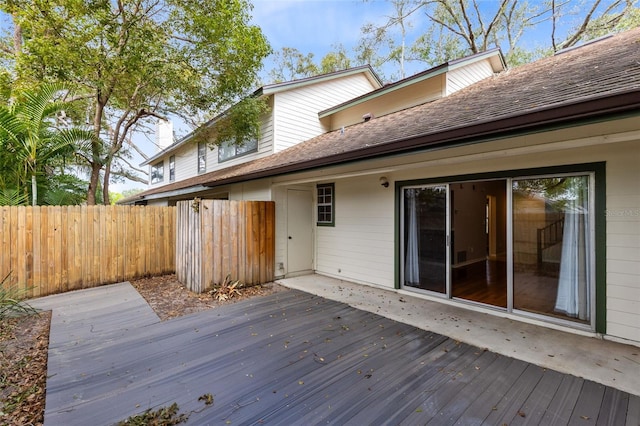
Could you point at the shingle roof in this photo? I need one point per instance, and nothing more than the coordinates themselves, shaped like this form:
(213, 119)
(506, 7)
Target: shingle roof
(587, 82)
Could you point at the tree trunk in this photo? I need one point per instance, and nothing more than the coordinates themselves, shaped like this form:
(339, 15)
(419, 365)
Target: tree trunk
(93, 183)
(105, 183)
(34, 191)
(96, 163)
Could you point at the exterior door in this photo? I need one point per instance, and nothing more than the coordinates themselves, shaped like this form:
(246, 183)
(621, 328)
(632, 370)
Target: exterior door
(299, 231)
(424, 239)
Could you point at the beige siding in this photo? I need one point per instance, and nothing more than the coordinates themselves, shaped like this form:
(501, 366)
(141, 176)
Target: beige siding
(416, 94)
(462, 77)
(361, 245)
(158, 203)
(296, 111)
(280, 197)
(186, 164)
(251, 191)
(623, 242)
(187, 156)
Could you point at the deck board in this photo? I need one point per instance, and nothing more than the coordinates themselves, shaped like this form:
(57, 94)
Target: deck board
(293, 358)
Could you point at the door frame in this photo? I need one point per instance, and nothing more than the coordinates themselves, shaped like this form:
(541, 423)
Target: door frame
(597, 171)
(287, 235)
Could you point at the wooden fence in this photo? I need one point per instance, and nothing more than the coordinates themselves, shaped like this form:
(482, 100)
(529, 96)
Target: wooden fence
(216, 238)
(55, 249)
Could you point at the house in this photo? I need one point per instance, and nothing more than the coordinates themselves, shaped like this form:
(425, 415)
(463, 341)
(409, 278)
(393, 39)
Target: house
(291, 119)
(517, 195)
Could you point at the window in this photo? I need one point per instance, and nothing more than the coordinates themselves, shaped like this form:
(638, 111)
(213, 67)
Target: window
(523, 241)
(157, 172)
(172, 168)
(227, 151)
(202, 157)
(326, 205)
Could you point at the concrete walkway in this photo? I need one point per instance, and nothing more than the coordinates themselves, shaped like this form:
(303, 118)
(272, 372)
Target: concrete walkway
(609, 363)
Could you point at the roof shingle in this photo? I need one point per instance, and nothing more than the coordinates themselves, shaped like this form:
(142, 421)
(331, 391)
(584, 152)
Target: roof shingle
(598, 78)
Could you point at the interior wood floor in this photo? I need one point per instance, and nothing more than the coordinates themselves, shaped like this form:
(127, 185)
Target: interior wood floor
(486, 282)
(482, 282)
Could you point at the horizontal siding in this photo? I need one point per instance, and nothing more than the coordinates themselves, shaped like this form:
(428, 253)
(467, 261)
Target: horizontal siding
(361, 245)
(460, 78)
(416, 94)
(623, 242)
(251, 191)
(264, 148)
(186, 164)
(187, 156)
(621, 284)
(296, 111)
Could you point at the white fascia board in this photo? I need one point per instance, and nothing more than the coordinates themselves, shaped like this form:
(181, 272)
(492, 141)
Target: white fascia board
(493, 55)
(381, 92)
(176, 192)
(289, 85)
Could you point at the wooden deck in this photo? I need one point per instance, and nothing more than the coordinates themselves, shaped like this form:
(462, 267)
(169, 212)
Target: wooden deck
(293, 358)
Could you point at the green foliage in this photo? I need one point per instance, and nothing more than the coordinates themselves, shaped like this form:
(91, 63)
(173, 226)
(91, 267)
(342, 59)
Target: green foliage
(137, 61)
(12, 301)
(164, 416)
(35, 139)
(336, 60)
(239, 124)
(65, 190)
(291, 64)
(13, 197)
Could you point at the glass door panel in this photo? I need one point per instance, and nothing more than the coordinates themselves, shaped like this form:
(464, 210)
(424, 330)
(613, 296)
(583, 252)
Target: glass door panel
(478, 241)
(551, 247)
(424, 259)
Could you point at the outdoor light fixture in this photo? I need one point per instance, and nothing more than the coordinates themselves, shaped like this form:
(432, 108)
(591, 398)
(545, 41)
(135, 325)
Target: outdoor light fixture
(384, 181)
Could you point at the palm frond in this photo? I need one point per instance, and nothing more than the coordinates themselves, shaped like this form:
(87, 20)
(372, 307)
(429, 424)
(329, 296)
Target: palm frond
(13, 197)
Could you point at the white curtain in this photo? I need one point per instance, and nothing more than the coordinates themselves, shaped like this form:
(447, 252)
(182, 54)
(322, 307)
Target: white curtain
(412, 260)
(573, 297)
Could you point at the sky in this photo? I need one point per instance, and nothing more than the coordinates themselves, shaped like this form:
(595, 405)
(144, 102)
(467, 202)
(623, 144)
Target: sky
(317, 26)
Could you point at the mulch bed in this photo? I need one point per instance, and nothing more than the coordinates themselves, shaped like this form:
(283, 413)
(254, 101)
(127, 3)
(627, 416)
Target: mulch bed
(23, 369)
(24, 344)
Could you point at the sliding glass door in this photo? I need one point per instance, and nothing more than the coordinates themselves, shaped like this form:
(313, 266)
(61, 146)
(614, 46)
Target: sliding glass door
(552, 247)
(478, 241)
(425, 238)
(522, 244)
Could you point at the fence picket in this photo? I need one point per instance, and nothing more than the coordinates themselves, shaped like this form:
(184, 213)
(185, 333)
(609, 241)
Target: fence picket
(223, 238)
(51, 249)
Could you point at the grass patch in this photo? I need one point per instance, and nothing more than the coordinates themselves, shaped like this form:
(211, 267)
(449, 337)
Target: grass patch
(12, 302)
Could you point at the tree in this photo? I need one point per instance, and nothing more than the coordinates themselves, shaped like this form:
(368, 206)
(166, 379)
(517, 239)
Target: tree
(463, 27)
(34, 138)
(336, 60)
(137, 60)
(291, 64)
